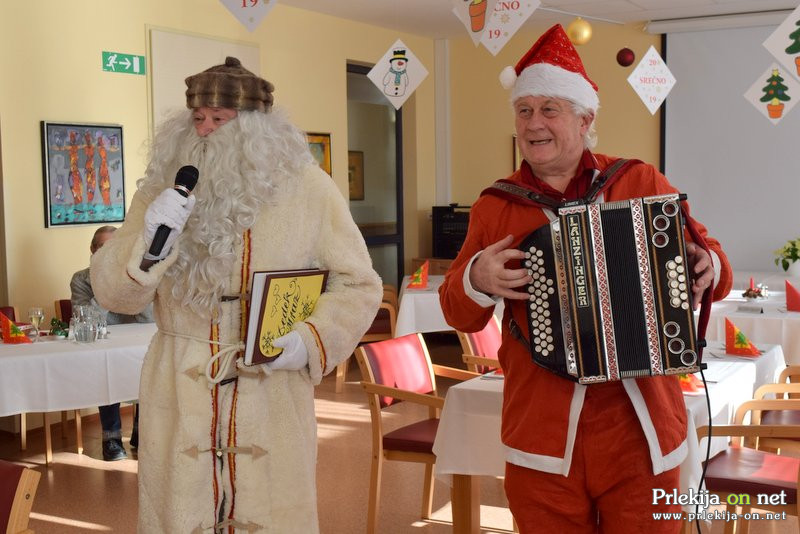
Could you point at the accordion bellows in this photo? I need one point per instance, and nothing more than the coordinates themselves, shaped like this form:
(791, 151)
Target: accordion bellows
(611, 293)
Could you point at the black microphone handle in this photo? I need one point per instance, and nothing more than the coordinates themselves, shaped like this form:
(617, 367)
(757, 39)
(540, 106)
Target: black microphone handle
(185, 181)
(162, 233)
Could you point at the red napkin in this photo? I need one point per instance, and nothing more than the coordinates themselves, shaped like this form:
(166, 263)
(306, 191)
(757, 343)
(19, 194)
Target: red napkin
(11, 332)
(419, 280)
(690, 383)
(736, 342)
(792, 297)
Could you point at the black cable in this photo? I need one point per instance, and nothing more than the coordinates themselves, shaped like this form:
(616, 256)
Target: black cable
(708, 451)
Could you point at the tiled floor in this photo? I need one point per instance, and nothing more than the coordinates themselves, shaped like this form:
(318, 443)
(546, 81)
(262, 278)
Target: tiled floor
(85, 494)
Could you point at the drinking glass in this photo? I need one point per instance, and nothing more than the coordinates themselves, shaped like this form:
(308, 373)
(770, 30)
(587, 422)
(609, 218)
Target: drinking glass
(36, 316)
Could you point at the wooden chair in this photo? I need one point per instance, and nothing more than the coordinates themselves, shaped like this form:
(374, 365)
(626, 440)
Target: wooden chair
(743, 469)
(480, 348)
(390, 295)
(791, 374)
(382, 327)
(17, 490)
(780, 391)
(63, 309)
(394, 370)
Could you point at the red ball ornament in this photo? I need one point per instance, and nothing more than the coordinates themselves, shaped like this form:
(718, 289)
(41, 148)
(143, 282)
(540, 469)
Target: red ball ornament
(625, 57)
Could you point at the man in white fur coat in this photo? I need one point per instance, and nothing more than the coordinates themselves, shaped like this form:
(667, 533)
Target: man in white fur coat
(226, 447)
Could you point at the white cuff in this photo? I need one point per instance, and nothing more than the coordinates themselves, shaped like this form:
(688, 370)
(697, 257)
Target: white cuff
(717, 266)
(480, 298)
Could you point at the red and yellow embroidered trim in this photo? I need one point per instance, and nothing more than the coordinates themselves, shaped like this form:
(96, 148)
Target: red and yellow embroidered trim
(214, 336)
(323, 357)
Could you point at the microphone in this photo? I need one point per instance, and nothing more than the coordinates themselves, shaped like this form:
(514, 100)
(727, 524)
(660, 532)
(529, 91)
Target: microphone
(185, 180)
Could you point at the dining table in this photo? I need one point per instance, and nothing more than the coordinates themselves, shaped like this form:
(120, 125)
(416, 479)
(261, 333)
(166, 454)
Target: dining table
(762, 320)
(55, 374)
(468, 445)
(419, 310)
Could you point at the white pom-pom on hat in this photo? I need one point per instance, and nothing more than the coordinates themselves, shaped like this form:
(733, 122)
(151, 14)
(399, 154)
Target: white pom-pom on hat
(508, 77)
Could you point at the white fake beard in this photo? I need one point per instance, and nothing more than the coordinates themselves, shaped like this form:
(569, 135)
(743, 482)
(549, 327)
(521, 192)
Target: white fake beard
(225, 208)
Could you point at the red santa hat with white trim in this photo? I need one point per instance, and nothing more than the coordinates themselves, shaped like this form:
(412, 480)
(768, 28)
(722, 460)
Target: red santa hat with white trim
(552, 67)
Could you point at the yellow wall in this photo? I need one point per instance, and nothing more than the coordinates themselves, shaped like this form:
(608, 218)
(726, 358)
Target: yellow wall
(50, 65)
(482, 124)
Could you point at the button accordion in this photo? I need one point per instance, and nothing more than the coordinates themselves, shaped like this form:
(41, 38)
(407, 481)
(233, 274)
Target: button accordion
(611, 293)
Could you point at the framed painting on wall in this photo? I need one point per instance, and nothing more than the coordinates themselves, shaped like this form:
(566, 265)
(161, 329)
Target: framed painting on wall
(320, 146)
(355, 174)
(84, 173)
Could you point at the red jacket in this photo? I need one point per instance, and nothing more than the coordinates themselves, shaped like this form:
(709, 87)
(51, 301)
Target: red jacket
(540, 409)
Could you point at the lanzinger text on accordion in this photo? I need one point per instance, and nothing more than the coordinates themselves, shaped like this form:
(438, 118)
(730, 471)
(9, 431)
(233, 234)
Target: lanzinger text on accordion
(611, 293)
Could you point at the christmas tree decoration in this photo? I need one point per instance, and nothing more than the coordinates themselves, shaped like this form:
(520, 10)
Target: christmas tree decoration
(419, 280)
(249, 12)
(784, 44)
(397, 74)
(504, 22)
(652, 80)
(773, 94)
(474, 14)
(11, 333)
(579, 31)
(794, 48)
(792, 298)
(736, 342)
(625, 57)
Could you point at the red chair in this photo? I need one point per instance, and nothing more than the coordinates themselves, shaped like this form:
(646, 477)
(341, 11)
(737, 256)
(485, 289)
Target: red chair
(742, 468)
(480, 348)
(17, 490)
(63, 309)
(10, 312)
(382, 327)
(397, 370)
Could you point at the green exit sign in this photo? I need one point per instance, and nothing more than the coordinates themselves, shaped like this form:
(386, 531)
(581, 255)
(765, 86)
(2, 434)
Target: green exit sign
(128, 63)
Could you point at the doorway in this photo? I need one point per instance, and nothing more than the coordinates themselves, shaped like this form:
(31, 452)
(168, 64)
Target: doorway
(375, 165)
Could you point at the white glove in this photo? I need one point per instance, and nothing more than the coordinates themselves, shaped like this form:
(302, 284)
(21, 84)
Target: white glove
(171, 209)
(294, 356)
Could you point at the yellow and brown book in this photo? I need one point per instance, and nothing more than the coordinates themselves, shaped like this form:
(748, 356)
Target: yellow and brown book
(279, 299)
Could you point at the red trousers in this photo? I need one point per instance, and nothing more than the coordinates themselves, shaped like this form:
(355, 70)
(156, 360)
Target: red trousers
(610, 484)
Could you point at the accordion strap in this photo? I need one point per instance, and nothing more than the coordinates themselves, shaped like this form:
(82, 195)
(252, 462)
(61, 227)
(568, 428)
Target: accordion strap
(518, 192)
(708, 294)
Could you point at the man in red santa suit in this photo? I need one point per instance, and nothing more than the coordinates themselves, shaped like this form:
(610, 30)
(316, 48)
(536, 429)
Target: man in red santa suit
(579, 458)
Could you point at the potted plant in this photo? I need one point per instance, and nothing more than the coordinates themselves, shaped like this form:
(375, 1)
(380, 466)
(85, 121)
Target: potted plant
(787, 257)
(477, 13)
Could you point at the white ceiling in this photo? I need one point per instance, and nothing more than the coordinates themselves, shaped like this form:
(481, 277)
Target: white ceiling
(435, 19)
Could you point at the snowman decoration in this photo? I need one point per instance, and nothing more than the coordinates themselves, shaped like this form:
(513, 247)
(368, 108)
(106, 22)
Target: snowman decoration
(395, 80)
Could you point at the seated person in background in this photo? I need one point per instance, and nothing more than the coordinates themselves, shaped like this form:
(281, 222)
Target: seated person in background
(82, 295)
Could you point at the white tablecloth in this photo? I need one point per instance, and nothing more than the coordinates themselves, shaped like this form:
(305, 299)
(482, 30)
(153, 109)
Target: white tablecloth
(419, 309)
(49, 376)
(774, 325)
(468, 440)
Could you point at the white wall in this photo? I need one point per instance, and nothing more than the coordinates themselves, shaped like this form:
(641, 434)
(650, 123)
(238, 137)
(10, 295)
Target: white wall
(741, 172)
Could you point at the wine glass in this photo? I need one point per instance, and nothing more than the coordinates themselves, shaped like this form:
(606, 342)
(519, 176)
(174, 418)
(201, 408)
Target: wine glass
(36, 316)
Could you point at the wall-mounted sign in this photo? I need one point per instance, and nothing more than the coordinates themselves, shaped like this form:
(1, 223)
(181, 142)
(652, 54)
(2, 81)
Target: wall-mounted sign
(127, 63)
